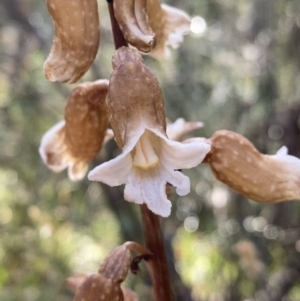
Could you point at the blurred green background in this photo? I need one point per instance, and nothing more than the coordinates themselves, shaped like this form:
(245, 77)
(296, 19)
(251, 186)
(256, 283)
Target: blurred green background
(239, 69)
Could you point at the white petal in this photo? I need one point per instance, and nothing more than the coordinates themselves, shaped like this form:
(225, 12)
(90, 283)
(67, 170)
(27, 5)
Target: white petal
(180, 127)
(148, 187)
(183, 155)
(283, 151)
(177, 179)
(113, 172)
(53, 149)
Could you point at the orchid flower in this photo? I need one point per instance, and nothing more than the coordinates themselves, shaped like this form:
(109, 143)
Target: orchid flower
(74, 142)
(149, 160)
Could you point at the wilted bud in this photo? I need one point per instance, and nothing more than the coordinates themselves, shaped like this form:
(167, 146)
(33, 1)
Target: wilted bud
(235, 161)
(76, 40)
(132, 18)
(96, 287)
(134, 97)
(77, 141)
(169, 24)
(105, 285)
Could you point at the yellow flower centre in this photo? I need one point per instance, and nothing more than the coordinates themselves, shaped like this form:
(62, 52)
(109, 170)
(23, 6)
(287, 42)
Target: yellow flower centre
(144, 156)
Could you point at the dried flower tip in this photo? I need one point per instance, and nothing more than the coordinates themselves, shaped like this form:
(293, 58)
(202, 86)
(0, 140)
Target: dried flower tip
(264, 178)
(133, 21)
(76, 141)
(76, 40)
(96, 287)
(169, 24)
(117, 264)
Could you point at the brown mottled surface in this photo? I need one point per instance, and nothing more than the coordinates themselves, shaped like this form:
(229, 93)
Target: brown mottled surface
(134, 96)
(96, 287)
(116, 265)
(133, 22)
(236, 162)
(86, 119)
(76, 40)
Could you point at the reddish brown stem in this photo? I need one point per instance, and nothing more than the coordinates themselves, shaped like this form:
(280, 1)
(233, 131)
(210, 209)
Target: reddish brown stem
(158, 263)
(119, 39)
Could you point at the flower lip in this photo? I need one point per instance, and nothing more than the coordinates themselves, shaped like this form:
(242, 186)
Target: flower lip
(144, 156)
(148, 185)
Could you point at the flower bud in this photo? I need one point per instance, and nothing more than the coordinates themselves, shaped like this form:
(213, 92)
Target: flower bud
(133, 21)
(134, 96)
(76, 40)
(73, 143)
(264, 178)
(106, 285)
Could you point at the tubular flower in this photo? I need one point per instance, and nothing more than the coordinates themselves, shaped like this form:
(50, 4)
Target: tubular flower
(73, 143)
(264, 178)
(149, 159)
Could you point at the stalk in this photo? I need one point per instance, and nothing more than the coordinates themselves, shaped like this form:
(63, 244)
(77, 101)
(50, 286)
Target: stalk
(157, 264)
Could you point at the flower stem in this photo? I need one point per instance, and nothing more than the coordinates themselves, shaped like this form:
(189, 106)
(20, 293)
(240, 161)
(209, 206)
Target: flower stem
(158, 263)
(119, 39)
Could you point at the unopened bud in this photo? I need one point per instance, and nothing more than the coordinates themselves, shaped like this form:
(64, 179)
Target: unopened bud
(73, 143)
(76, 40)
(105, 285)
(264, 178)
(133, 21)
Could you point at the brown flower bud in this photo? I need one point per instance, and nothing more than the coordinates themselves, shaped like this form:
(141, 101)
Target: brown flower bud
(76, 40)
(134, 96)
(77, 141)
(235, 161)
(96, 287)
(106, 284)
(86, 119)
(133, 21)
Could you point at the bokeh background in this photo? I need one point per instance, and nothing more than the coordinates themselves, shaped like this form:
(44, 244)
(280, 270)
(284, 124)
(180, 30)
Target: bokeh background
(238, 69)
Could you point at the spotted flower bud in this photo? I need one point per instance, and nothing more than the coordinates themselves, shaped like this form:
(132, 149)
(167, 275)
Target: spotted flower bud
(106, 285)
(76, 40)
(264, 178)
(132, 18)
(73, 143)
(149, 159)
